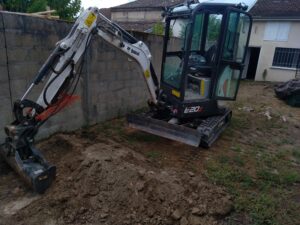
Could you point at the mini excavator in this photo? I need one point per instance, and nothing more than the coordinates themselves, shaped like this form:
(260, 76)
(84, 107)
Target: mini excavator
(203, 59)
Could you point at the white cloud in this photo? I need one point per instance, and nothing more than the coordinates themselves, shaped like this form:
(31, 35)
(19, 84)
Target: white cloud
(102, 3)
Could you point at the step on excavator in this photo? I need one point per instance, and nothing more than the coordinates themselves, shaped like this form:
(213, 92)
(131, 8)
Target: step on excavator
(203, 59)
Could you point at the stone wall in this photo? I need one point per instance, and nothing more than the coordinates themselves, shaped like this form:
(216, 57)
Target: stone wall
(111, 84)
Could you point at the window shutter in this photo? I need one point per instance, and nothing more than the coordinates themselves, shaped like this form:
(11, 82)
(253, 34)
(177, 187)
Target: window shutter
(277, 31)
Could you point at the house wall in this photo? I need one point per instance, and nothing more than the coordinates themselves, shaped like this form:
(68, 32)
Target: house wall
(268, 50)
(134, 16)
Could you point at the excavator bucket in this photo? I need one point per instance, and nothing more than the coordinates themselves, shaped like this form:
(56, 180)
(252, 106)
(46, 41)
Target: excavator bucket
(34, 171)
(164, 129)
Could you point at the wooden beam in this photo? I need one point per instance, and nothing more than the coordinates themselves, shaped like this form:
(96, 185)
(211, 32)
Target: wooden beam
(44, 12)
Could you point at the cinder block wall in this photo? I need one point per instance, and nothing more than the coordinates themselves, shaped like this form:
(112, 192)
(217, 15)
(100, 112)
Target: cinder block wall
(111, 85)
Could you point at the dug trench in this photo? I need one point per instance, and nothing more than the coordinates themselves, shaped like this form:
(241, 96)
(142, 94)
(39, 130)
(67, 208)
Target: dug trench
(110, 174)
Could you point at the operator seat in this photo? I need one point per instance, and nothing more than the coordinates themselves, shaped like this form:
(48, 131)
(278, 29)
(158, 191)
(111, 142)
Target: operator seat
(210, 54)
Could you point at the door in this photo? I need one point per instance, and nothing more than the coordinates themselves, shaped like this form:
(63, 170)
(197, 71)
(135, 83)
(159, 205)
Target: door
(253, 62)
(232, 57)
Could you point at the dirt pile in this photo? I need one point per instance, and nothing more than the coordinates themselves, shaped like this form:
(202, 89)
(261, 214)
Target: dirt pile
(106, 183)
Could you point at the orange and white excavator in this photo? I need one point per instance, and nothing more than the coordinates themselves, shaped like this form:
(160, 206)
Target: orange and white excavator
(203, 59)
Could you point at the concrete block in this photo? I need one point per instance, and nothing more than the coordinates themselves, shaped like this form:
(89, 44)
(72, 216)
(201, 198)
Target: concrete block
(4, 90)
(1, 21)
(52, 39)
(3, 74)
(116, 85)
(2, 40)
(18, 54)
(28, 55)
(92, 52)
(6, 115)
(2, 56)
(18, 87)
(107, 56)
(25, 70)
(13, 21)
(16, 38)
(96, 67)
(99, 87)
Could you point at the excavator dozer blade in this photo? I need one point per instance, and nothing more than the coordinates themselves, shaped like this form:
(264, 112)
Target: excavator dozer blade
(35, 171)
(164, 129)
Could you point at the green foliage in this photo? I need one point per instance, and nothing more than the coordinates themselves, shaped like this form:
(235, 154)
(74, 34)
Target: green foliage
(213, 29)
(66, 9)
(153, 155)
(264, 209)
(37, 6)
(296, 154)
(158, 29)
(15, 5)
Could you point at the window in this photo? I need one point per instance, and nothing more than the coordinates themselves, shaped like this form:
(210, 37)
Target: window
(213, 30)
(197, 32)
(286, 57)
(277, 31)
(236, 37)
(173, 64)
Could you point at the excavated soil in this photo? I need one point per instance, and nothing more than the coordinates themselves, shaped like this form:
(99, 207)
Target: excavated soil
(103, 182)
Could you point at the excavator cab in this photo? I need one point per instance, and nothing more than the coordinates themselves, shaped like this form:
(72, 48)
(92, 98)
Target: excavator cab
(203, 59)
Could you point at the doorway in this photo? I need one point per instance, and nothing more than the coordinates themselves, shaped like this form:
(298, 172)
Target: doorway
(253, 62)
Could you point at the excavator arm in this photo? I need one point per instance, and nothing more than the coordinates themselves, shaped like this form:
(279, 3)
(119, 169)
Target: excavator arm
(60, 74)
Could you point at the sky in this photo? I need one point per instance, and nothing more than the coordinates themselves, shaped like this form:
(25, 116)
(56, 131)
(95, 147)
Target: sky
(111, 3)
(103, 3)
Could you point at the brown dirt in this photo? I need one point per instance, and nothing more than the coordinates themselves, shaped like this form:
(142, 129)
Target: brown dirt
(123, 177)
(105, 182)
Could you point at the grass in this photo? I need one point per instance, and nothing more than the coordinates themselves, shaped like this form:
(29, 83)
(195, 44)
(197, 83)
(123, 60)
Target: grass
(154, 155)
(240, 121)
(256, 195)
(296, 154)
(260, 174)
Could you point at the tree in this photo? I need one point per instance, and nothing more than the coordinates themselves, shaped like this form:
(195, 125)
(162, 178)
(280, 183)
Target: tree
(159, 29)
(66, 9)
(37, 6)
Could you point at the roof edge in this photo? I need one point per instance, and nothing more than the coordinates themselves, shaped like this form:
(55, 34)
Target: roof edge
(260, 18)
(137, 8)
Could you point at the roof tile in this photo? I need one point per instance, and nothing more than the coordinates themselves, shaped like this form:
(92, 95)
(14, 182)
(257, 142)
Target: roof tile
(149, 3)
(276, 9)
